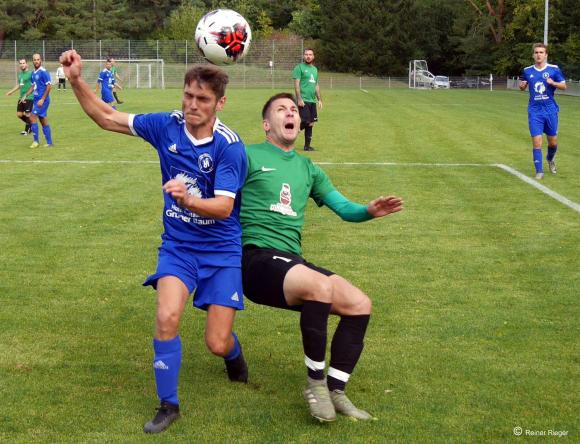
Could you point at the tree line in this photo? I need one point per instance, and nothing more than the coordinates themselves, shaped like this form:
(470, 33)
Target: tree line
(377, 37)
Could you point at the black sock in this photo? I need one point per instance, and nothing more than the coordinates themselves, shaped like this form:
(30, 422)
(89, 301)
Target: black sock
(313, 325)
(345, 350)
(307, 136)
(116, 97)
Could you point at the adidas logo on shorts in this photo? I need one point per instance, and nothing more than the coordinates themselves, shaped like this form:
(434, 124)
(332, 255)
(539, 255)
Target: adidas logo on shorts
(235, 297)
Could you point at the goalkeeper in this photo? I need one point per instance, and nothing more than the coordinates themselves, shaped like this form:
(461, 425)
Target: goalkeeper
(274, 199)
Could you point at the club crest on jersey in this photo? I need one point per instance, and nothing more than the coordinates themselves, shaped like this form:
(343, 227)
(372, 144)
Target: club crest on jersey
(205, 163)
(285, 204)
(546, 75)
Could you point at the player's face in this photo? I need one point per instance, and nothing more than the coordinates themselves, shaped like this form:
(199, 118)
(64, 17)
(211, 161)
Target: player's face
(200, 104)
(540, 55)
(23, 65)
(36, 61)
(108, 65)
(282, 123)
(308, 56)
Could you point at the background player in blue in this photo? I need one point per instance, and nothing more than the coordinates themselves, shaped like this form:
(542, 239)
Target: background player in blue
(543, 79)
(203, 166)
(41, 85)
(106, 83)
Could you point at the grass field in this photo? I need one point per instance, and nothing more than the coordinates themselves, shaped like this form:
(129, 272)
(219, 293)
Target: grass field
(475, 285)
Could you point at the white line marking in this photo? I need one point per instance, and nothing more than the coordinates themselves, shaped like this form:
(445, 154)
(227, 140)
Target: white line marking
(364, 90)
(563, 200)
(539, 186)
(88, 162)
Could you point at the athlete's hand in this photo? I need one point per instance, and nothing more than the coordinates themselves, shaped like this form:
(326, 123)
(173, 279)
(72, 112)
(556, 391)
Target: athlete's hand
(523, 84)
(72, 64)
(382, 206)
(549, 81)
(40, 103)
(178, 191)
(300, 103)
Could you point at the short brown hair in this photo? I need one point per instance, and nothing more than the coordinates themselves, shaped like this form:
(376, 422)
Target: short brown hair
(540, 45)
(208, 75)
(267, 105)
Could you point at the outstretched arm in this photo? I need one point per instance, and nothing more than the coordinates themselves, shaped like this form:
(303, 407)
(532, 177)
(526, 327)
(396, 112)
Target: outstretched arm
(353, 212)
(103, 115)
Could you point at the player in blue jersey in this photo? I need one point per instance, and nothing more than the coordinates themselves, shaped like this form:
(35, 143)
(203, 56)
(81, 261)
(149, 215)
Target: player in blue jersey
(106, 83)
(41, 85)
(203, 166)
(543, 79)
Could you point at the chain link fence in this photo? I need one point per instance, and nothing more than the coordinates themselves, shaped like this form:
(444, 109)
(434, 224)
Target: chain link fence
(162, 64)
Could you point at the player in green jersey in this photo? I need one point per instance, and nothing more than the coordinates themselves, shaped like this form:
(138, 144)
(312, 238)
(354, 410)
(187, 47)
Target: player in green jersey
(117, 78)
(24, 106)
(307, 91)
(274, 198)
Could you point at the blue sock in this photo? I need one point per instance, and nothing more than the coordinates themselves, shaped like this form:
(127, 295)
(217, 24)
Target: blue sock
(538, 160)
(34, 128)
(114, 107)
(47, 134)
(551, 152)
(235, 352)
(166, 365)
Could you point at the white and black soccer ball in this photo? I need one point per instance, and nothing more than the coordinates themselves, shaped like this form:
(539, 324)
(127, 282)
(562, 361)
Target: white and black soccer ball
(223, 36)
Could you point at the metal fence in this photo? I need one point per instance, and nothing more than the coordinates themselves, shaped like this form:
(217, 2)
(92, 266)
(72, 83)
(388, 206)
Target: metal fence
(162, 64)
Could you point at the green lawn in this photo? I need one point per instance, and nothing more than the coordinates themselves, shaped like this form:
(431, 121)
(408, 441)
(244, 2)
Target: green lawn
(475, 285)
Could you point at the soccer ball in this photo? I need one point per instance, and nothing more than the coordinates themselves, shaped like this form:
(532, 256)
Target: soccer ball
(223, 36)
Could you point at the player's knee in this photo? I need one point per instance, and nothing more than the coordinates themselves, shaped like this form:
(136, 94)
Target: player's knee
(364, 305)
(320, 290)
(217, 345)
(167, 324)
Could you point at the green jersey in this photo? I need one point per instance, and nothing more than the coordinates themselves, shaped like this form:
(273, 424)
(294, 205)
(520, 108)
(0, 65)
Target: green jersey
(308, 76)
(275, 195)
(25, 82)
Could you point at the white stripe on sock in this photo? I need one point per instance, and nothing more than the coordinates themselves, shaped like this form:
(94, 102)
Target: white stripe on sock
(337, 374)
(314, 365)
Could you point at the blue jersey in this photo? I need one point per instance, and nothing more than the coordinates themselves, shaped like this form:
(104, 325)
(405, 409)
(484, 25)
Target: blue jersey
(541, 93)
(40, 80)
(209, 167)
(107, 82)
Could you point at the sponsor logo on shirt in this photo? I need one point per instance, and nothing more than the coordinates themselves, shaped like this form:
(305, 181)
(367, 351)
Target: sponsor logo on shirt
(285, 204)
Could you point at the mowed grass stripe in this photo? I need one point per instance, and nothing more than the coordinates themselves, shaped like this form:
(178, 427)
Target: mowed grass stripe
(474, 328)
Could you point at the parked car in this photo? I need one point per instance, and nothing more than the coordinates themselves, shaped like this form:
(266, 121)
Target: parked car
(441, 82)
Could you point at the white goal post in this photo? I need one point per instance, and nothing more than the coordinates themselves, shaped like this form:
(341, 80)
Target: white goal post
(134, 73)
(419, 75)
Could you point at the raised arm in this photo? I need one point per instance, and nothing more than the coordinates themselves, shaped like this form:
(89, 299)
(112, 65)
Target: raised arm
(103, 115)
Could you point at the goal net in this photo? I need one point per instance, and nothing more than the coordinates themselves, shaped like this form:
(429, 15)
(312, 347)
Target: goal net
(134, 73)
(419, 75)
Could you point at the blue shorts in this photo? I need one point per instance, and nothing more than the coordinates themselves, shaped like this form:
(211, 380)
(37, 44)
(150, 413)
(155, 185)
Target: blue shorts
(107, 97)
(543, 123)
(213, 285)
(41, 111)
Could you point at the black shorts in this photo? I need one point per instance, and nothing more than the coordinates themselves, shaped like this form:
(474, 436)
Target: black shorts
(24, 107)
(308, 113)
(263, 273)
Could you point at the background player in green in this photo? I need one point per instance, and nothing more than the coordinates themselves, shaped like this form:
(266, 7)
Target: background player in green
(117, 78)
(307, 91)
(274, 199)
(24, 106)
